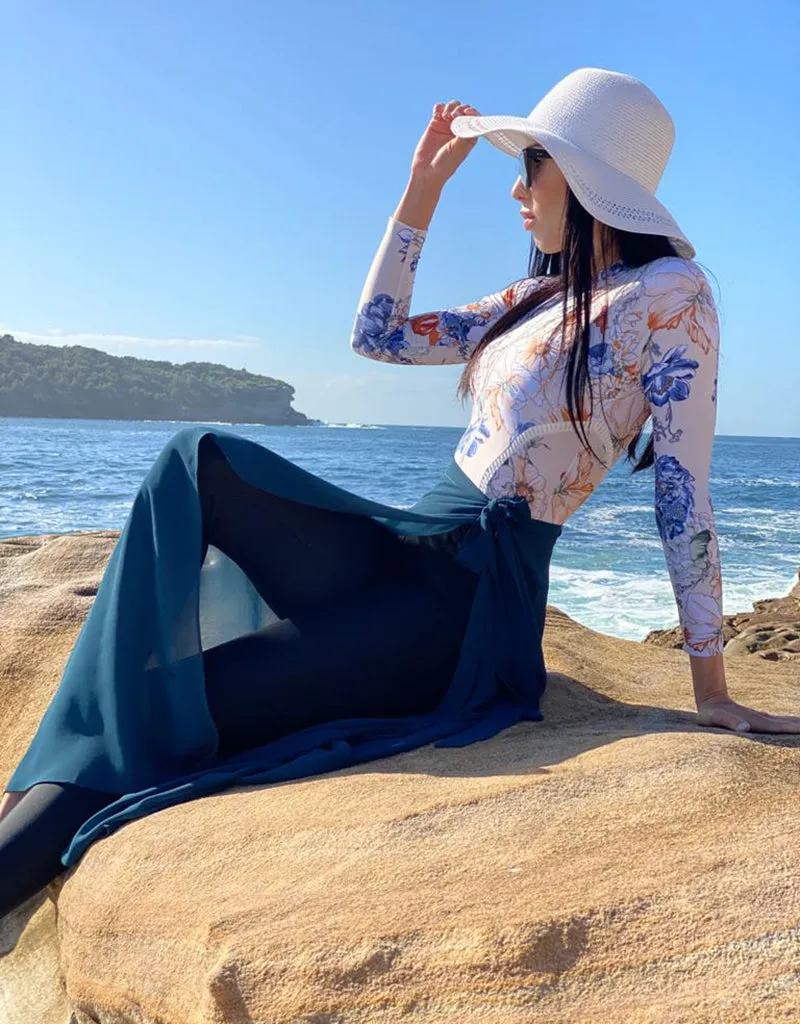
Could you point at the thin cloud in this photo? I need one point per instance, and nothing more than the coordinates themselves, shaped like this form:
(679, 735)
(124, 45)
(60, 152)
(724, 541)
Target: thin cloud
(57, 336)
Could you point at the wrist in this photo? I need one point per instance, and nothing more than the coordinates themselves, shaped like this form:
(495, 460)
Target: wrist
(419, 202)
(708, 678)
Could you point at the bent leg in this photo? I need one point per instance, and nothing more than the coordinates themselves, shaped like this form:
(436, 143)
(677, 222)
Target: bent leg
(35, 833)
(389, 651)
(299, 557)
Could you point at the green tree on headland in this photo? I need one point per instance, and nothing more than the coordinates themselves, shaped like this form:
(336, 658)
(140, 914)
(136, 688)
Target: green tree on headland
(73, 381)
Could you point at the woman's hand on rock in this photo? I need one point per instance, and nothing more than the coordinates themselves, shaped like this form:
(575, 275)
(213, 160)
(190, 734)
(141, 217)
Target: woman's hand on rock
(727, 714)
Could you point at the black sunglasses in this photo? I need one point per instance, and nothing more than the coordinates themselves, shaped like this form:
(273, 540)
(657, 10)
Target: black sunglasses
(530, 160)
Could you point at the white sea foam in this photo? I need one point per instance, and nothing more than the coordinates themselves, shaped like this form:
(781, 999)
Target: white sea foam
(629, 605)
(752, 481)
(354, 426)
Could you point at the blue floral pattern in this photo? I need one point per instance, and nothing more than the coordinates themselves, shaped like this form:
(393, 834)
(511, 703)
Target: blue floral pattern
(667, 381)
(472, 438)
(681, 388)
(674, 497)
(382, 329)
(601, 359)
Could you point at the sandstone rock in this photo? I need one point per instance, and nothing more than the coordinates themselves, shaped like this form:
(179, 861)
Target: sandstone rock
(613, 863)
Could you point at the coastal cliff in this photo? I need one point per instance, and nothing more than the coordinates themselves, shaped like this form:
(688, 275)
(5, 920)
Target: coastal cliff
(73, 381)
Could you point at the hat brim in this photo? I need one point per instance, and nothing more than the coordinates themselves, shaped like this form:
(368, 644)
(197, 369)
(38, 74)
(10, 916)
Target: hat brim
(610, 195)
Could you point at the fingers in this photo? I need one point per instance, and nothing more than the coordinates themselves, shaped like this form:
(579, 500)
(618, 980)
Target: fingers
(763, 721)
(785, 719)
(780, 723)
(453, 109)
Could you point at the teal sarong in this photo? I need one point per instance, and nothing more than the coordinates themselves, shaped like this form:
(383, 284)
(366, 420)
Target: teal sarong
(130, 714)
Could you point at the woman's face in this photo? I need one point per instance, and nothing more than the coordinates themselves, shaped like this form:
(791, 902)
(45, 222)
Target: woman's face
(546, 200)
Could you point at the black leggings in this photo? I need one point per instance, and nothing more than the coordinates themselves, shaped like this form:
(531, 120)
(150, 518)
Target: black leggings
(370, 626)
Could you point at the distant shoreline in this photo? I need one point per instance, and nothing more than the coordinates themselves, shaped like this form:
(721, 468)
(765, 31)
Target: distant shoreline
(77, 382)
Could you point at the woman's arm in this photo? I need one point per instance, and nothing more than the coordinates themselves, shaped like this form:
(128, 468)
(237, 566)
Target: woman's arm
(383, 329)
(679, 366)
(418, 203)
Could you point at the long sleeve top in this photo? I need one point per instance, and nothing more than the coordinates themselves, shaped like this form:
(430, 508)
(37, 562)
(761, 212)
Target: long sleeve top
(654, 351)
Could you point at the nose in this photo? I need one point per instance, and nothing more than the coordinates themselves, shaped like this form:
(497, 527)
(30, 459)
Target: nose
(518, 190)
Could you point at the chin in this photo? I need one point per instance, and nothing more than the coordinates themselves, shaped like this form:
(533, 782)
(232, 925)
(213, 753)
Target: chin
(543, 246)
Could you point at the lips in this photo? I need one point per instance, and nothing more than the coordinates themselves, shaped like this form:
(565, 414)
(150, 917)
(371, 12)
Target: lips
(526, 216)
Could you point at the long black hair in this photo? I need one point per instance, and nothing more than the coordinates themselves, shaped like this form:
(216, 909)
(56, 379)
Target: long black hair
(574, 277)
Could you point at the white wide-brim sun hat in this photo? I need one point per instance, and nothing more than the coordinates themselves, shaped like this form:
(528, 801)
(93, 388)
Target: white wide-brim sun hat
(610, 136)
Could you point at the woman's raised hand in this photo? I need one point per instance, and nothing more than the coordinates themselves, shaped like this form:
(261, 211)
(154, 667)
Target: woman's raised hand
(439, 153)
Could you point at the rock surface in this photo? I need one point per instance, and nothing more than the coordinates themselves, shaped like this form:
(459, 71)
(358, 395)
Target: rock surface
(613, 863)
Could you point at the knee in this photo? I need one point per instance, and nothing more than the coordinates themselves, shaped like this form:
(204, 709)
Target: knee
(185, 437)
(182, 443)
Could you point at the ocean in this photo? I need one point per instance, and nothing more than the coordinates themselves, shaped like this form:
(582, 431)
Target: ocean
(608, 569)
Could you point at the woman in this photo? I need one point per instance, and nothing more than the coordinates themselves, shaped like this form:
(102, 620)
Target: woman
(392, 628)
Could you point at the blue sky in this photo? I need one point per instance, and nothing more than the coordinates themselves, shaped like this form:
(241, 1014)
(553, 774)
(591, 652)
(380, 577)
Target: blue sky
(210, 180)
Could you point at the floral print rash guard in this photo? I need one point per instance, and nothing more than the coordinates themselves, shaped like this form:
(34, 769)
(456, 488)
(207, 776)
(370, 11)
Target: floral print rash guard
(658, 357)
